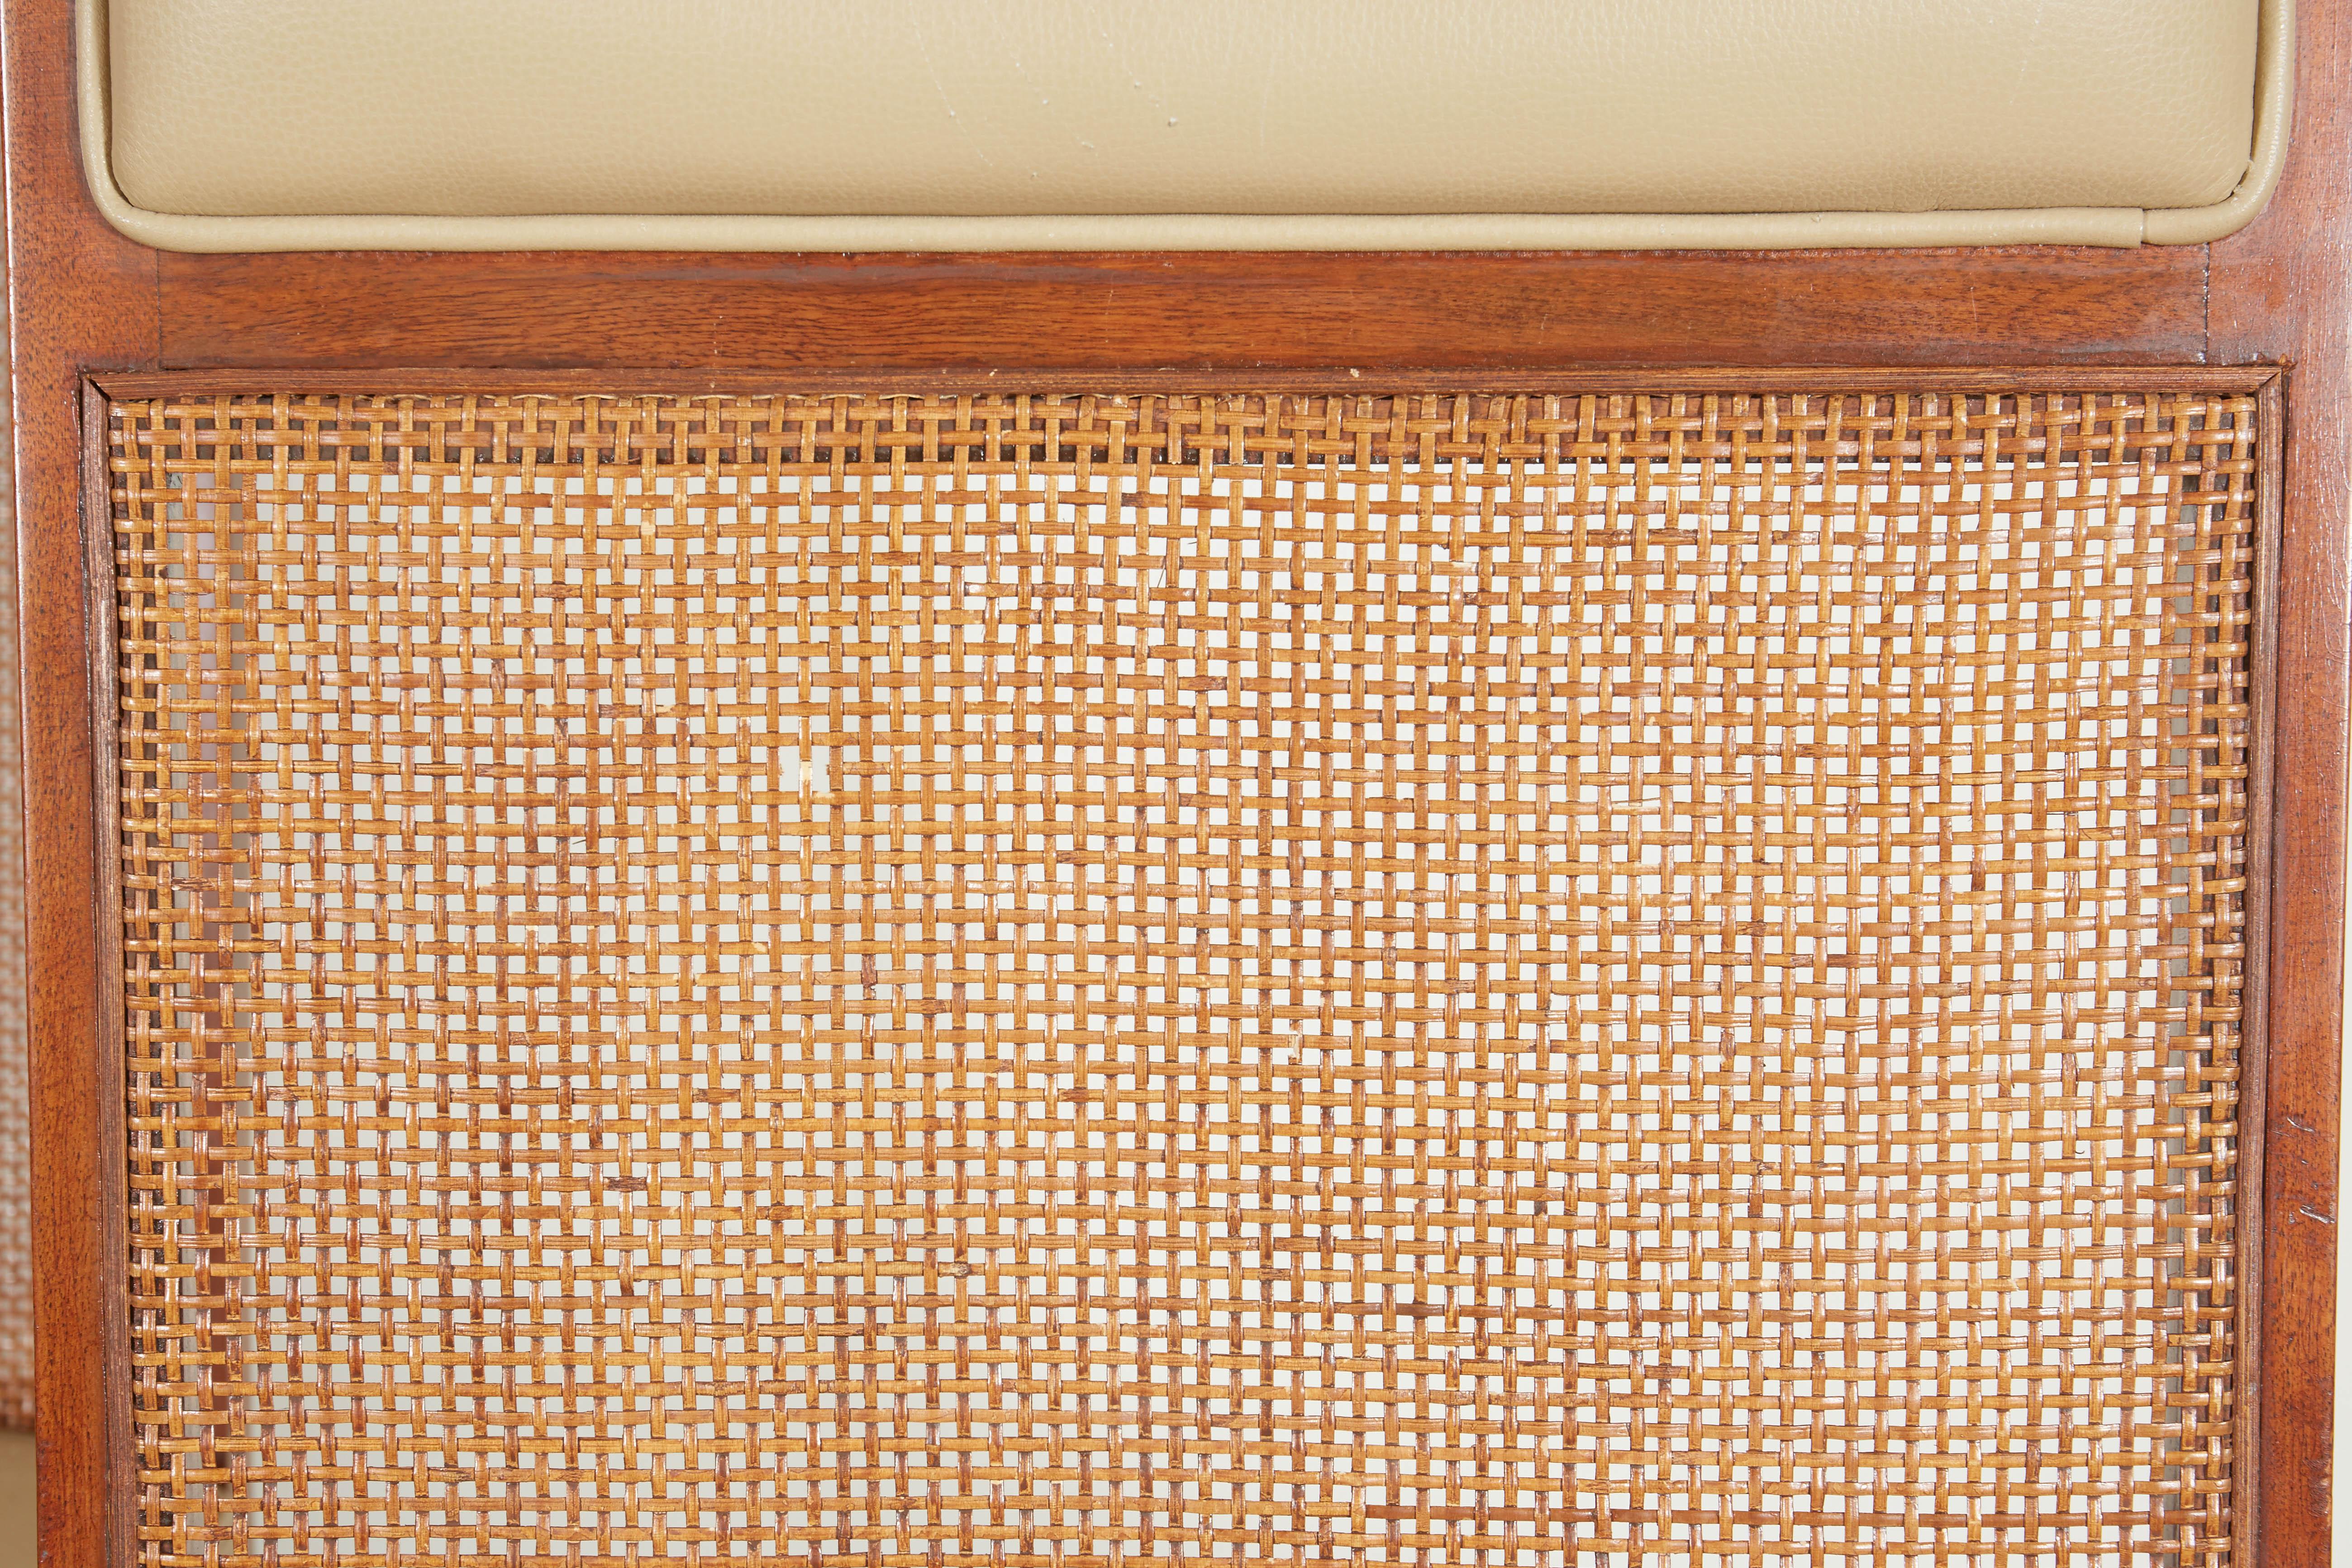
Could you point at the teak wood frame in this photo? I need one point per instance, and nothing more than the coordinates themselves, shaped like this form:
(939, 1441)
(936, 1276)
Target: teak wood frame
(92, 312)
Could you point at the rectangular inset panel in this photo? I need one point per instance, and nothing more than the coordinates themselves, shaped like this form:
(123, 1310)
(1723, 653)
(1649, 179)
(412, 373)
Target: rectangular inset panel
(1067, 980)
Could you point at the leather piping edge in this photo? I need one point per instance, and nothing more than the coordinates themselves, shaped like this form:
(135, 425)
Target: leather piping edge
(2106, 227)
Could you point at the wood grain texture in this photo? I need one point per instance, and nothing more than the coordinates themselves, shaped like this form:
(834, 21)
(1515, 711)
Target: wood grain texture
(840, 315)
(2279, 294)
(81, 296)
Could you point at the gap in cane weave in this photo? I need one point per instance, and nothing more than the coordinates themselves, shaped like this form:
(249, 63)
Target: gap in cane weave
(1068, 980)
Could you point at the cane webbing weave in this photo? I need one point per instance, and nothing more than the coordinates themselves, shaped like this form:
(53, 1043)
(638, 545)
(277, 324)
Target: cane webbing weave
(15, 1037)
(1064, 980)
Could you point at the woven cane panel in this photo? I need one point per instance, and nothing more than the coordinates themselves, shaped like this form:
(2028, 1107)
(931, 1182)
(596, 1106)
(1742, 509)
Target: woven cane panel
(1064, 980)
(15, 1043)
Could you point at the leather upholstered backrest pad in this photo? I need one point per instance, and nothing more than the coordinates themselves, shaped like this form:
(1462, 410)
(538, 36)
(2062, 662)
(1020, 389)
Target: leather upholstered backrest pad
(1086, 109)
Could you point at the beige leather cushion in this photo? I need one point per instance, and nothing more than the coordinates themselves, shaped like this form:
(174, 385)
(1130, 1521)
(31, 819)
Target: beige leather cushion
(467, 108)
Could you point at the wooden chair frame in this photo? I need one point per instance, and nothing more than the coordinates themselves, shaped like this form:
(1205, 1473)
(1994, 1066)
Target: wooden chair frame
(94, 313)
